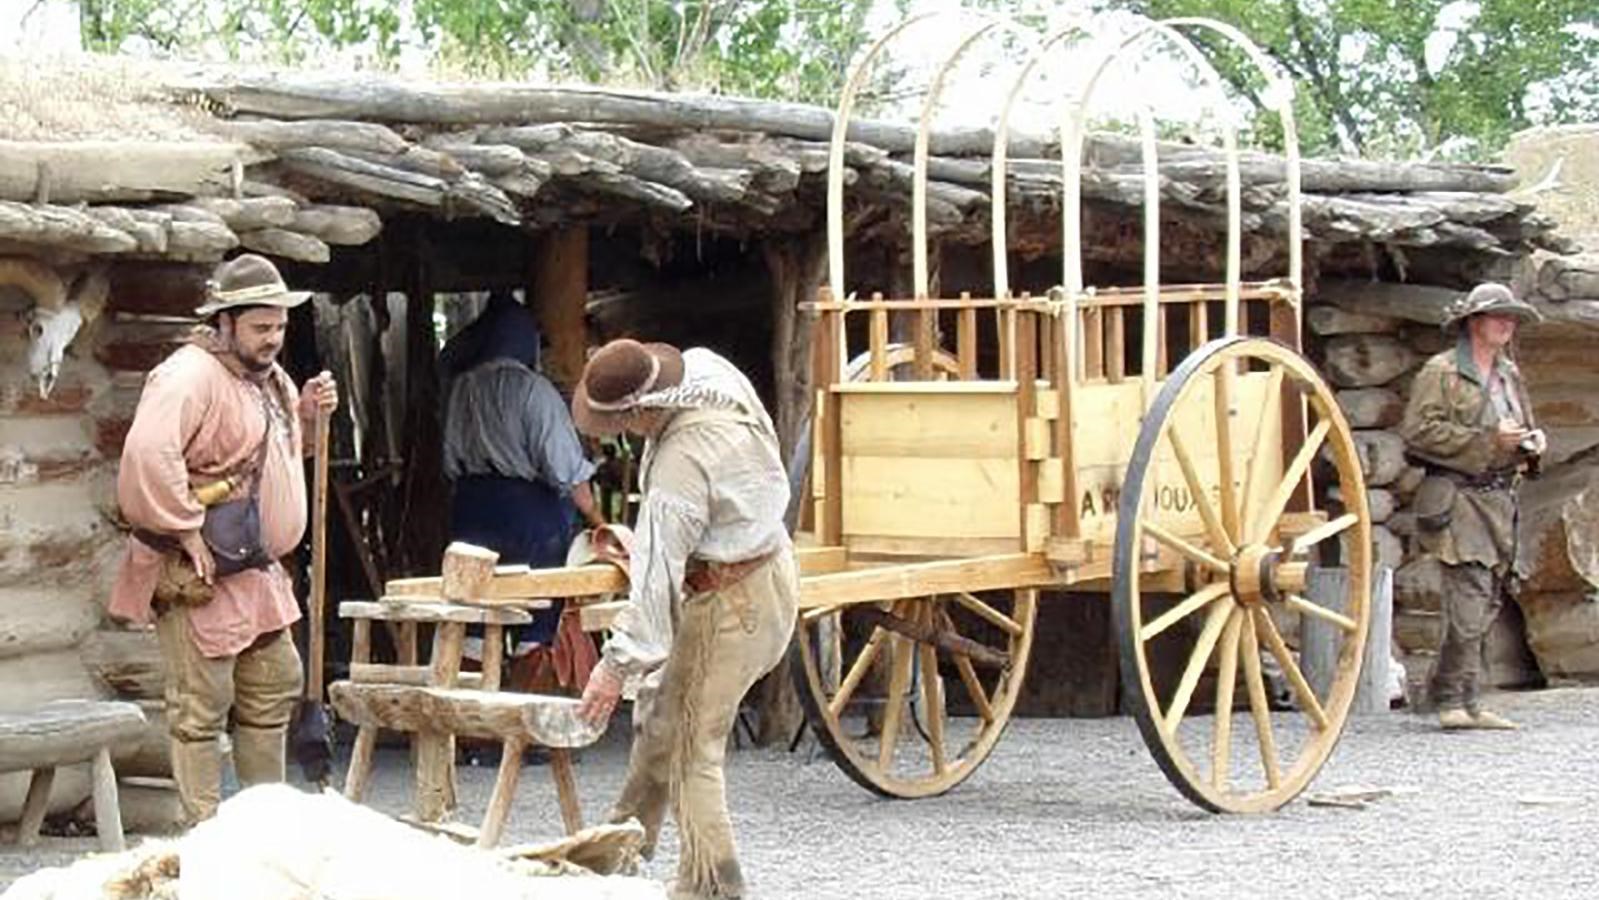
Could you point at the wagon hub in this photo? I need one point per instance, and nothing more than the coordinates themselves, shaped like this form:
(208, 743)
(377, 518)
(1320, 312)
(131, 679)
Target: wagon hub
(1260, 574)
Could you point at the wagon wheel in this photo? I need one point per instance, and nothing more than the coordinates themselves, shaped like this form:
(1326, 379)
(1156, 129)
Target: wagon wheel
(955, 718)
(960, 658)
(1190, 495)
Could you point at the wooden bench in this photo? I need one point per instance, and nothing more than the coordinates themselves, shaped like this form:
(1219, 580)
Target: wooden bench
(64, 733)
(516, 720)
(436, 702)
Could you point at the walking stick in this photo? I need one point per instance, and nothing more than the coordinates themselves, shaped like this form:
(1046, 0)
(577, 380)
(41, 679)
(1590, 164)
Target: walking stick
(313, 733)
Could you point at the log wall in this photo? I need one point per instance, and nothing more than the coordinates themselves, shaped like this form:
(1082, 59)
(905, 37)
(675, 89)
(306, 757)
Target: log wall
(59, 541)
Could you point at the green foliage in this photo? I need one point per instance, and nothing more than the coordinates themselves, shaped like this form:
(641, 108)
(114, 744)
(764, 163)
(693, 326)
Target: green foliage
(790, 49)
(1368, 84)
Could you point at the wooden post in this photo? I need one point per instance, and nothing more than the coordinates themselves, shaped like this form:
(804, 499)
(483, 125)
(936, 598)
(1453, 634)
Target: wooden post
(1320, 641)
(559, 293)
(1026, 356)
(360, 771)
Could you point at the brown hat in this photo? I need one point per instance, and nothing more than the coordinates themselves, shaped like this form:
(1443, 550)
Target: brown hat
(248, 280)
(1488, 297)
(614, 379)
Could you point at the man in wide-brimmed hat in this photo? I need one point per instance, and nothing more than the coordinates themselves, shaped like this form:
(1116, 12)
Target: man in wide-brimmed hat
(218, 429)
(1469, 422)
(714, 586)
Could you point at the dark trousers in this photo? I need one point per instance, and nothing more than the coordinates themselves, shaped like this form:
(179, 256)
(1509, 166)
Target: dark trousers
(1472, 596)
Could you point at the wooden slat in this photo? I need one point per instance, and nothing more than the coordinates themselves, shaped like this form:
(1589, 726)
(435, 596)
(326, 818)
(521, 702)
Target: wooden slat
(1093, 343)
(830, 513)
(984, 573)
(1034, 441)
(533, 584)
(966, 342)
(1052, 482)
(1115, 345)
(550, 721)
(926, 343)
(400, 610)
(385, 673)
(879, 345)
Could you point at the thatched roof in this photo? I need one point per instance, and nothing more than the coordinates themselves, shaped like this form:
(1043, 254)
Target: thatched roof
(123, 159)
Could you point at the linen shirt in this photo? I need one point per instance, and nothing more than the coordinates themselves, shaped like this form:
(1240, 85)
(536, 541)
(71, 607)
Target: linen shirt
(198, 422)
(505, 419)
(715, 488)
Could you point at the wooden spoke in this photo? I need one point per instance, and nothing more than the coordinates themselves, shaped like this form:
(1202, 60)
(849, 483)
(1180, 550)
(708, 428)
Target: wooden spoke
(1196, 488)
(1208, 635)
(1255, 682)
(1296, 678)
(1269, 410)
(995, 617)
(933, 700)
(1197, 554)
(1224, 448)
(1187, 607)
(1322, 532)
(894, 710)
(857, 672)
(974, 687)
(1273, 509)
(1308, 608)
(1221, 757)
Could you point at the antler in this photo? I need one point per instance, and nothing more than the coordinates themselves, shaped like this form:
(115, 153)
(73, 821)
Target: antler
(39, 281)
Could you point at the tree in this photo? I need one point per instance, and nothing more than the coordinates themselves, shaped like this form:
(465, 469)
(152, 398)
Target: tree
(1415, 77)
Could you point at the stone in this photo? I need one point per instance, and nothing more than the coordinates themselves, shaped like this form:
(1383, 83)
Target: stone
(1326, 319)
(1382, 456)
(45, 617)
(1573, 277)
(1418, 631)
(1379, 503)
(1387, 549)
(1405, 485)
(1367, 360)
(1371, 407)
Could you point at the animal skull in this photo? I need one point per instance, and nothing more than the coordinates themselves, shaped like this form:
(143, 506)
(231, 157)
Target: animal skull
(49, 333)
(57, 314)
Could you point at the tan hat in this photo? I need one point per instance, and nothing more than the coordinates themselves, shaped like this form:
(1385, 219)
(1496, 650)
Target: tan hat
(248, 280)
(614, 379)
(1488, 297)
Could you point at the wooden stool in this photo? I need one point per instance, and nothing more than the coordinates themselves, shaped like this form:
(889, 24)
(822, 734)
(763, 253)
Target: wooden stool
(395, 708)
(64, 733)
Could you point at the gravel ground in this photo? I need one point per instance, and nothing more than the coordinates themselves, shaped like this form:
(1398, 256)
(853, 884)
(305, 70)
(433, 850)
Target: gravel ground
(1073, 807)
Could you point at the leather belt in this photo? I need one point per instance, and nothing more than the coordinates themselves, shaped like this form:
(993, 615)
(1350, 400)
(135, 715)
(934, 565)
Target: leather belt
(705, 576)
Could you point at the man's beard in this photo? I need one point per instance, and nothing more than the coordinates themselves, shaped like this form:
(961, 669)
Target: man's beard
(255, 364)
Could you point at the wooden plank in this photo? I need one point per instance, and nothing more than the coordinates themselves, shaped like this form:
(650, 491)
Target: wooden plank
(821, 560)
(1047, 402)
(924, 546)
(64, 732)
(1037, 529)
(1065, 391)
(901, 496)
(550, 721)
(404, 609)
(985, 573)
(385, 673)
(929, 426)
(933, 388)
(570, 581)
(828, 342)
(1133, 295)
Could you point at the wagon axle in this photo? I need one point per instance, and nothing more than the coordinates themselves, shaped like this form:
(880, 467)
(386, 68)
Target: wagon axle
(1260, 574)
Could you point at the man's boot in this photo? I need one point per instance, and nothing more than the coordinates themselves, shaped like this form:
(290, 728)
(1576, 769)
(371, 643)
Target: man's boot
(1490, 721)
(197, 768)
(258, 754)
(1454, 719)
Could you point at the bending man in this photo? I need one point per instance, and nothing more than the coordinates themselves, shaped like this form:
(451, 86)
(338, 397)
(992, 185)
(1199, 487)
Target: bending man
(714, 586)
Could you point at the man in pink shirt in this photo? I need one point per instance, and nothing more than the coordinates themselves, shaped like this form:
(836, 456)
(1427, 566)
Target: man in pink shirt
(219, 420)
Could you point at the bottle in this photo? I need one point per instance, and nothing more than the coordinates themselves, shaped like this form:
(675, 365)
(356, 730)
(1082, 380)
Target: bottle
(213, 493)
